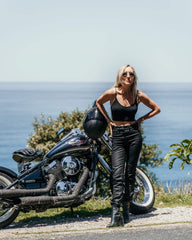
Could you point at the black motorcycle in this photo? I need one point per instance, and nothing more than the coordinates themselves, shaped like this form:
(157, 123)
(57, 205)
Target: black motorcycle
(64, 177)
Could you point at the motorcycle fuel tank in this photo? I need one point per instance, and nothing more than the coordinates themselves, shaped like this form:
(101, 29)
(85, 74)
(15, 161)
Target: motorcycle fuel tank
(67, 145)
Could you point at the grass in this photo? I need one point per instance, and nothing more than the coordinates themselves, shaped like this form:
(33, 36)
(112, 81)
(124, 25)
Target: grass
(90, 208)
(173, 200)
(174, 196)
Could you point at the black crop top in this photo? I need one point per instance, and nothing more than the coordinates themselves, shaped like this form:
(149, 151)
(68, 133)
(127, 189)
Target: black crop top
(122, 113)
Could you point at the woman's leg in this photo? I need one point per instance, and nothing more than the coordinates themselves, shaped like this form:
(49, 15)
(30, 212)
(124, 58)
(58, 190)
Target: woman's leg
(117, 179)
(133, 151)
(118, 166)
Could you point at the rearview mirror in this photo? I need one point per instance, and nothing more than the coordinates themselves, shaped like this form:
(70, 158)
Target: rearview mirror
(59, 131)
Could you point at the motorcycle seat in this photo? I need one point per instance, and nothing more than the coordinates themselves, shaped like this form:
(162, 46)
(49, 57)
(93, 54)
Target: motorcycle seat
(27, 155)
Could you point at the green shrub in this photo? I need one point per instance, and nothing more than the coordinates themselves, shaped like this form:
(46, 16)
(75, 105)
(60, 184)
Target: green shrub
(44, 136)
(182, 151)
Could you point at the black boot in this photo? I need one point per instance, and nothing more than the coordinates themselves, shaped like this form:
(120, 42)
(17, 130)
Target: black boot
(126, 212)
(116, 218)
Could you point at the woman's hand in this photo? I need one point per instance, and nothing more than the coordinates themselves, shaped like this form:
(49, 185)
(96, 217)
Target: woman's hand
(139, 121)
(111, 124)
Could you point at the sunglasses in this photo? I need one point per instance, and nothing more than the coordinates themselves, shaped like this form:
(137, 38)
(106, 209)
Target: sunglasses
(130, 74)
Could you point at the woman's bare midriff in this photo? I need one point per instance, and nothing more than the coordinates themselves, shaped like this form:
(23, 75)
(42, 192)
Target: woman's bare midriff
(123, 123)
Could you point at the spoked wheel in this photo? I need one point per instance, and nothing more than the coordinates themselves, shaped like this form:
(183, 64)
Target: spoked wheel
(8, 212)
(144, 196)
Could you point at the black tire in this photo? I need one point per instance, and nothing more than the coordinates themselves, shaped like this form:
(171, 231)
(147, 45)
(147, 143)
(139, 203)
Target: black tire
(7, 214)
(144, 195)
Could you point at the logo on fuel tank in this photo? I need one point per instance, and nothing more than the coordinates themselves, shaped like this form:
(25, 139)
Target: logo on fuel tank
(77, 142)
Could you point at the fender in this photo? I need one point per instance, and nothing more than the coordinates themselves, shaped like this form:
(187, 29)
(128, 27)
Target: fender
(8, 172)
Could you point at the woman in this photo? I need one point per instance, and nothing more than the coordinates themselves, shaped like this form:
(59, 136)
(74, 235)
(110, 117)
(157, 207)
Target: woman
(127, 141)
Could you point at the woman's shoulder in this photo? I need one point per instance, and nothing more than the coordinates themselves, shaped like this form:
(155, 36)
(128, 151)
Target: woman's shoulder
(139, 96)
(140, 93)
(142, 96)
(111, 91)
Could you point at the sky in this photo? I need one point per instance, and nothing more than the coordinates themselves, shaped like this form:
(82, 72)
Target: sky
(88, 41)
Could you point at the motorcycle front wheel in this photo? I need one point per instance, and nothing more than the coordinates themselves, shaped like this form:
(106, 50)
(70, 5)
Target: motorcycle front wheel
(144, 195)
(7, 212)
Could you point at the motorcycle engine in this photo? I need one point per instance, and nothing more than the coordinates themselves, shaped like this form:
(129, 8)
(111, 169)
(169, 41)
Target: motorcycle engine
(71, 167)
(64, 187)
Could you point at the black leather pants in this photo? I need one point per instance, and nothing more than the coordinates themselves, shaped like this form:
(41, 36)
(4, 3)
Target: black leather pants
(127, 143)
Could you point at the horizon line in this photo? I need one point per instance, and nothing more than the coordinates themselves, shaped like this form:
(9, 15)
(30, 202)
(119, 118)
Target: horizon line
(85, 82)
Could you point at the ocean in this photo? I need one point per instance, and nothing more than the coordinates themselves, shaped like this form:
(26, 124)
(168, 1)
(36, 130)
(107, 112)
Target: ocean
(20, 103)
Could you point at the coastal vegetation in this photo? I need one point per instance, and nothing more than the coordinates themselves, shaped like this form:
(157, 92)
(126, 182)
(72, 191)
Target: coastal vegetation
(44, 138)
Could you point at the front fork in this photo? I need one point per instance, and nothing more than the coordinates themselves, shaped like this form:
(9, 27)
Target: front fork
(104, 164)
(94, 173)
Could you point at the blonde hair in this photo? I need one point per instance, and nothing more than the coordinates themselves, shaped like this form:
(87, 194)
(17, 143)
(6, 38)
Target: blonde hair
(119, 80)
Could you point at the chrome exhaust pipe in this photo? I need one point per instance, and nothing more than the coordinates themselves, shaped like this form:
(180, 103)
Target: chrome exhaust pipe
(54, 200)
(16, 193)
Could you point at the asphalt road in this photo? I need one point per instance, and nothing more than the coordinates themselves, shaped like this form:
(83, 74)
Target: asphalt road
(163, 232)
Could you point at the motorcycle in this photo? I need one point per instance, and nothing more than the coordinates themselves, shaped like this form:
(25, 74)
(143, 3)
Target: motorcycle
(64, 177)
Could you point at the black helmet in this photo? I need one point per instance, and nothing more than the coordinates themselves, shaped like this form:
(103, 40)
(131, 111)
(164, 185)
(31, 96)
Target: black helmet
(94, 123)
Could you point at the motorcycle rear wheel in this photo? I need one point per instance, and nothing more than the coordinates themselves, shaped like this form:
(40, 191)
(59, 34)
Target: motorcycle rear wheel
(7, 213)
(144, 195)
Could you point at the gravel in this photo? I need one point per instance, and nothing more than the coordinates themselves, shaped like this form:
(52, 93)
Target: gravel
(158, 216)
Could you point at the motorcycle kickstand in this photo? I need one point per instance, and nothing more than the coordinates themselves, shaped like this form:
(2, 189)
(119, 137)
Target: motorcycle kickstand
(72, 212)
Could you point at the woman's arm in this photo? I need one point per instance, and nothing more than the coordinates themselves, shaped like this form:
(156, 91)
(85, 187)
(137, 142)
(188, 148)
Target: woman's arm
(107, 96)
(149, 103)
